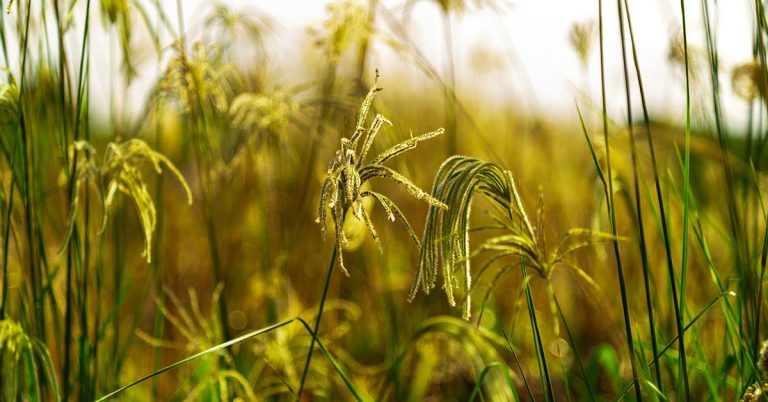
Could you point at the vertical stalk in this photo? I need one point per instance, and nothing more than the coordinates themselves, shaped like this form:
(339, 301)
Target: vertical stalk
(611, 211)
(317, 320)
(12, 165)
(7, 233)
(654, 165)
(636, 182)
(680, 303)
(28, 197)
(159, 323)
(540, 353)
(576, 352)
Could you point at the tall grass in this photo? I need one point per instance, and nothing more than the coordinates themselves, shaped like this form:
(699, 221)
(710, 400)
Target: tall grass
(626, 263)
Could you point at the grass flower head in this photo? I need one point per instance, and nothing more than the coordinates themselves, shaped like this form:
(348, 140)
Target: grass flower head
(348, 171)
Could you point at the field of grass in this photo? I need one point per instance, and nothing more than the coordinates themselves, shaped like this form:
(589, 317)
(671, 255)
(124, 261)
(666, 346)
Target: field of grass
(182, 243)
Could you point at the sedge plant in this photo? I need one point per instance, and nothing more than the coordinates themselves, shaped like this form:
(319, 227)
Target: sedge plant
(521, 244)
(343, 191)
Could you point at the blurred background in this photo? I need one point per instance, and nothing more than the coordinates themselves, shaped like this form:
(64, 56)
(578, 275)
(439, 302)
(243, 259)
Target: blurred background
(115, 114)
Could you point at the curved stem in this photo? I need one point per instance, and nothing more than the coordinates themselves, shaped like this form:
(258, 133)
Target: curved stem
(317, 322)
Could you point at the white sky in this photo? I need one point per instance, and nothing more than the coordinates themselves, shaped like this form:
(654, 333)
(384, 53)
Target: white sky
(535, 64)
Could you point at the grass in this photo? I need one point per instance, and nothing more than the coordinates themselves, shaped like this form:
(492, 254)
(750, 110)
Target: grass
(167, 252)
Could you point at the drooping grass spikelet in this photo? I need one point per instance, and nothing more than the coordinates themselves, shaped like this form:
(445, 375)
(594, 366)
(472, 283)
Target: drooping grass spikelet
(121, 171)
(446, 241)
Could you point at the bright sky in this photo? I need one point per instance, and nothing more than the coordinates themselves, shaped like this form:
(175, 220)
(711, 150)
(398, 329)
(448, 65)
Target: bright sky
(529, 39)
(527, 43)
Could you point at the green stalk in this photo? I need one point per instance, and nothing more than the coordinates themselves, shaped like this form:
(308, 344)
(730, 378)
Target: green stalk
(740, 239)
(547, 387)
(317, 320)
(680, 302)
(636, 180)
(6, 238)
(9, 211)
(654, 164)
(657, 183)
(611, 212)
(117, 292)
(68, 319)
(519, 367)
(73, 242)
(86, 380)
(671, 343)
(28, 198)
(159, 323)
(97, 333)
(576, 352)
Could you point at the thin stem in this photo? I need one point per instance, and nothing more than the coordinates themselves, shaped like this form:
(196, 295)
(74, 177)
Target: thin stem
(611, 212)
(636, 182)
(576, 351)
(7, 232)
(679, 302)
(657, 181)
(542, 357)
(317, 321)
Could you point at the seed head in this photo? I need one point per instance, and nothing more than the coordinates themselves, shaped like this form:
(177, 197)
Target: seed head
(348, 171)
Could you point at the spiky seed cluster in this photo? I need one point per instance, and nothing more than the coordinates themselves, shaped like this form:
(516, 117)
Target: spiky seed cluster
(755, 393)
(269, 111)
(762, 358)
(13, 340)
(196, 80)
(446, 233)
(342, 189)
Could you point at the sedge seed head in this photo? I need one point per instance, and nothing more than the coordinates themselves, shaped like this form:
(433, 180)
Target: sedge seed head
(350, 169)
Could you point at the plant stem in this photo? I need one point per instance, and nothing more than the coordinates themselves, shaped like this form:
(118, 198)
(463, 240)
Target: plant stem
(317, 321)
(662, 211)
(636, 182)
(541, 354)
(611, 210)
(679, 303)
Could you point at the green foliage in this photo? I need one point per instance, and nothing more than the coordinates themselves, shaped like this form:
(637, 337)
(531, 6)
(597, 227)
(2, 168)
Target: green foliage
(247, 135)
